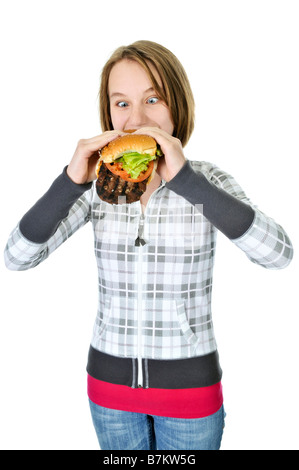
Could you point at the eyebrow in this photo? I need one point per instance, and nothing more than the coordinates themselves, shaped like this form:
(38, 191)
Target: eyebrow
(122, 94)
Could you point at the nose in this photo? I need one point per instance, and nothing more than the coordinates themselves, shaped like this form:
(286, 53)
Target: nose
(137, 118)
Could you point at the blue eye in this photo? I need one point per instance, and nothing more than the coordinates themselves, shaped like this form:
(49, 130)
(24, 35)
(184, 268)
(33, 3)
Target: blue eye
(153, 100)
(122, 104)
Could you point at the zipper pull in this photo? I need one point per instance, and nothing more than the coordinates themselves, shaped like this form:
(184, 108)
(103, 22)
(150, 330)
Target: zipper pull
(140, 240)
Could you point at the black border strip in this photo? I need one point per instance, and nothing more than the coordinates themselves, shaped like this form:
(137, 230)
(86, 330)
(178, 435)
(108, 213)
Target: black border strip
(201, 371)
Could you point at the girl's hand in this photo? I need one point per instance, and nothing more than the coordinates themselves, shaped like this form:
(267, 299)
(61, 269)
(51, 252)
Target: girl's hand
(81, 169)
(174, 158)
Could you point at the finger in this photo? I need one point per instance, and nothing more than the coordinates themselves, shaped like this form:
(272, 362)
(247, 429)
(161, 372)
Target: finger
(150, 131)
(98, 142)
(106, 135)
(162, 137)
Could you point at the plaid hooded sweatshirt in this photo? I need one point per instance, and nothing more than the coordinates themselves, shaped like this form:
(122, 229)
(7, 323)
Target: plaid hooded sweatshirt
(153, 327)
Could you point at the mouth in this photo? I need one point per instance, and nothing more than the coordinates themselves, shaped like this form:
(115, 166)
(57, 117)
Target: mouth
(130, 130)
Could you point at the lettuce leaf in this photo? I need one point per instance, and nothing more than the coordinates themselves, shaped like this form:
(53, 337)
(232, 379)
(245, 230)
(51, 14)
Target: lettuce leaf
(134, 163)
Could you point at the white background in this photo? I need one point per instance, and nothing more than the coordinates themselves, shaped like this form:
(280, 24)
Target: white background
(242, 61)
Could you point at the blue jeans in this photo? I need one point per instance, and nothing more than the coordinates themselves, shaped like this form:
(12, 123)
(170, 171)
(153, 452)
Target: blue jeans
(122, 430)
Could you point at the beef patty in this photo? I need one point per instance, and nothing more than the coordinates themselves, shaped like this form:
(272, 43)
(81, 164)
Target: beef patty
(111, 187)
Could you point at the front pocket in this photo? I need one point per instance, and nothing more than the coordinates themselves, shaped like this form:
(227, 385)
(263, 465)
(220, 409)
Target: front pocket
(188, 334)
(103, 317)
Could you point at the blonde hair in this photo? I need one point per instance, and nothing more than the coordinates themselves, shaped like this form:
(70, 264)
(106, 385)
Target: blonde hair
(175, 91)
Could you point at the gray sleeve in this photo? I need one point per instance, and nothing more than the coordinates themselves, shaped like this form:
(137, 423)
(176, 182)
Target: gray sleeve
(226, 212)
(42, 220)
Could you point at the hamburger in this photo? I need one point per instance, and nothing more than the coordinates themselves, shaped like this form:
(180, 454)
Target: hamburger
(125, 168)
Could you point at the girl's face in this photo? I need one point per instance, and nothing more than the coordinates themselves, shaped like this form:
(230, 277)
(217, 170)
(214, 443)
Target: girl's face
(133, 101)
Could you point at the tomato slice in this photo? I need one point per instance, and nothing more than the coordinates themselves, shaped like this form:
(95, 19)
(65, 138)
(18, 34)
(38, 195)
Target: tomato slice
(117, 169)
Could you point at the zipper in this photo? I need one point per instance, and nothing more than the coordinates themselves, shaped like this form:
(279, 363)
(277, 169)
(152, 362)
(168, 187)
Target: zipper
(140, 243)
(140, 240)
(139, 319)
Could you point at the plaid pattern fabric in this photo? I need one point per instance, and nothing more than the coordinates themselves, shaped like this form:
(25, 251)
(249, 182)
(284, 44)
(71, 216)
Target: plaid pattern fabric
(21, 254)
(155, 299)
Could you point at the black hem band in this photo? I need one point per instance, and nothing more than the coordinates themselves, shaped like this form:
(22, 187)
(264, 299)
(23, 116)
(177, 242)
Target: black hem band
(194, 372)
